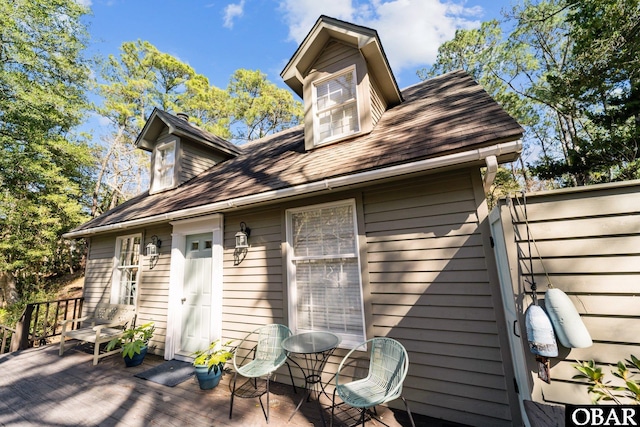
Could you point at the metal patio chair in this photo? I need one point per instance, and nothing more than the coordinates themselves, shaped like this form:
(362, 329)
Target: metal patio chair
(388, 365)
(268, 356)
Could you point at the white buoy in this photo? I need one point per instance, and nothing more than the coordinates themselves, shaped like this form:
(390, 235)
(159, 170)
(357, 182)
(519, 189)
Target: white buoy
(540, 335)
(566, 321)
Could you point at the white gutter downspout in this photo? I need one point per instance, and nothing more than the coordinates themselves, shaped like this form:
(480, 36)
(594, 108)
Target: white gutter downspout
(490, 174)
(330, 184)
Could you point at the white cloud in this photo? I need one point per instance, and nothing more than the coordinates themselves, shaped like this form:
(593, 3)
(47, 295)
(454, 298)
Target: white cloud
(231, 12)
(410, 30)
(300, 15)
(103, 121)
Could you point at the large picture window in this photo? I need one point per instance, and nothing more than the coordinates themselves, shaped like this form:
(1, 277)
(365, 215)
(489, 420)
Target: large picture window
(336, 107)
(325, 288)
(125, 273)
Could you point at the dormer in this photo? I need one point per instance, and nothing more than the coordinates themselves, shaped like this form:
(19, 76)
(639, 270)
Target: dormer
(180, 150)
(343, 76)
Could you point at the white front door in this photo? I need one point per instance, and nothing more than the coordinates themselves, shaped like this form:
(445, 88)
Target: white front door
(196, 293)
(195, 286)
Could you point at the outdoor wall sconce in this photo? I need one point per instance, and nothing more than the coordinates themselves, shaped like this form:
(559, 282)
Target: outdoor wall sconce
(242, 244)
(242, 236)
(152, 250)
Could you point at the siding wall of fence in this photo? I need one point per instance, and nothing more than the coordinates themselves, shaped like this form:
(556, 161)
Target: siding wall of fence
(585, 242)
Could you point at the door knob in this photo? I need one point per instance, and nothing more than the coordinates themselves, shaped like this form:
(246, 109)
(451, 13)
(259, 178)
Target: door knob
(183, 300)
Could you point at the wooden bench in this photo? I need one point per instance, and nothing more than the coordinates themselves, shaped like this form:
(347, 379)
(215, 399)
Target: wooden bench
(108, 322)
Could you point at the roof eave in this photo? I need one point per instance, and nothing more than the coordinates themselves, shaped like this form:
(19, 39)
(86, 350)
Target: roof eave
(145, 143)
(504, 152)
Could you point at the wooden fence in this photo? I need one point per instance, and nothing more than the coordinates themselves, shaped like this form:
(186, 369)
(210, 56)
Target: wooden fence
(39, 322)
(6, 334)
(586, 242)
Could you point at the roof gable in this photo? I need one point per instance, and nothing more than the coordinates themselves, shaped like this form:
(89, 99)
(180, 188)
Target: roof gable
(159, 120)
(364, 39)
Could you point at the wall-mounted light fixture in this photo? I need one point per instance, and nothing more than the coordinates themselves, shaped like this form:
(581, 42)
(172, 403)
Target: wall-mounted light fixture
(152, 250)
(242, 236)
(242, 243)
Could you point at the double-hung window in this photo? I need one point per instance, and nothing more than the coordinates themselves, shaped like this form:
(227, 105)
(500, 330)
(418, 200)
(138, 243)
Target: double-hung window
(325, 289)
(336, 106)
(125, 273)
(164, 163)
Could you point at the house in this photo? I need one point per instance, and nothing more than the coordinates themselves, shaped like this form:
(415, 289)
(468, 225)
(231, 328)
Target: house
(369, 219)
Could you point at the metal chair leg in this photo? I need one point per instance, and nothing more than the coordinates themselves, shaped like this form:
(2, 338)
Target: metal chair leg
(406, 405)
(268, 406)
(233, 392)
(264, 412)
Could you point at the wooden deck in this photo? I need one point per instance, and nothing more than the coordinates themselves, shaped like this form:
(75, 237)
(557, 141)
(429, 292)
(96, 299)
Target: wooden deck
(38, 387)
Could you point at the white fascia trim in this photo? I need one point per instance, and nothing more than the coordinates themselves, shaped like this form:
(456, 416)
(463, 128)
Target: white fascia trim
(325, 184)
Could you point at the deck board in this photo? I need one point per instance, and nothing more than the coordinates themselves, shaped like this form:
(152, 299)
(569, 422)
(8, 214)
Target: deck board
(38, 387)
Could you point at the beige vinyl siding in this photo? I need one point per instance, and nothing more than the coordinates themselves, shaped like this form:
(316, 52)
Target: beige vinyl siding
(163, 133)
(97, 281)
(589, 242)
(153, 292)
(153, 284)
(253, 291)
(378, 104)
(335, 53)
(430, 289)
(195, 160)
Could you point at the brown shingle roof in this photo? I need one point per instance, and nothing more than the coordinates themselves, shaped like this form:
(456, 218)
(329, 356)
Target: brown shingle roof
(183, 127)
(444, 115)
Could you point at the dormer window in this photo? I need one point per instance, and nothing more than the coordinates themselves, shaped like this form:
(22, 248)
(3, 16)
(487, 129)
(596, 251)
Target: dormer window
(336, 107)
(343, 76)
(164, 165)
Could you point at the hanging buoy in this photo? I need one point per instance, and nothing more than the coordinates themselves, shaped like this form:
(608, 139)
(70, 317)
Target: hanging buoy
(566, 321)
(540, 335)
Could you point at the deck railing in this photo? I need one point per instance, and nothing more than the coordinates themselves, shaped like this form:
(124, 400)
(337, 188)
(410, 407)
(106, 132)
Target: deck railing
(6, 335)
(41, 321)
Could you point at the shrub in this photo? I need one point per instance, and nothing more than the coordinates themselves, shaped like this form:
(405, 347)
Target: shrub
(603, 390)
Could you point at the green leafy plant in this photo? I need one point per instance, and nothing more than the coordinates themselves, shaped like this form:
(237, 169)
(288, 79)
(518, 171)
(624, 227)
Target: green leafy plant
(133, 339)
(214, 356)
(603, 390)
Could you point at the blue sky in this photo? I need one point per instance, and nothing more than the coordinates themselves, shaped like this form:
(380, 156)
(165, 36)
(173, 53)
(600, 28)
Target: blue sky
(218, 37)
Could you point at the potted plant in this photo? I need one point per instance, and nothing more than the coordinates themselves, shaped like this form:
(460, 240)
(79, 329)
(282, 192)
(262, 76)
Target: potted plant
(209, 363)
(134, 342)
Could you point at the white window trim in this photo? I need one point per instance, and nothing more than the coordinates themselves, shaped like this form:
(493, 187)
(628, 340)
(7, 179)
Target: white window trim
(291, 269)
(316, 120)
(116, 274)
(155, 180)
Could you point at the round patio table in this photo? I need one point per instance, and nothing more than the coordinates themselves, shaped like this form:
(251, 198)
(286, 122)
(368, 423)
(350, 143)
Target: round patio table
(314, 349)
